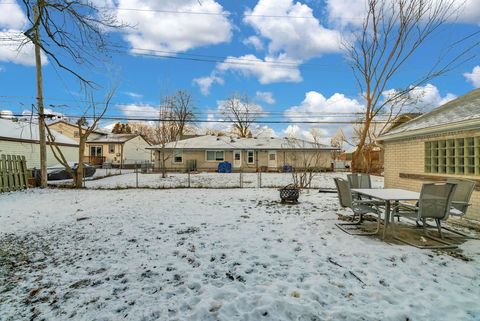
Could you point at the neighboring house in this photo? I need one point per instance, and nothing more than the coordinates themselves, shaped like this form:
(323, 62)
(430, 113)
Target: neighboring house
(440, 144)
(71, 130)
(122, 150)
(21, 138)
(245, 154)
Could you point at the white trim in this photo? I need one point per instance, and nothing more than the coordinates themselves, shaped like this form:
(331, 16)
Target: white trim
(215, 160)
(253, 157)
(173, 156)
(272, 162)
(237, 163)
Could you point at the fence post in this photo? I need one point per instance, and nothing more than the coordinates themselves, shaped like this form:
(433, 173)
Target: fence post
(241, 179)
(188, 171)
(136, 174)
(3, 171)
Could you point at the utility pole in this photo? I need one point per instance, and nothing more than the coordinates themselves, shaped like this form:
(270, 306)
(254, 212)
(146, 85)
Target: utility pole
(41, 114)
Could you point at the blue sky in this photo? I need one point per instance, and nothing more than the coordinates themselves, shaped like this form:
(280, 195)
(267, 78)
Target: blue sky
(309, 74)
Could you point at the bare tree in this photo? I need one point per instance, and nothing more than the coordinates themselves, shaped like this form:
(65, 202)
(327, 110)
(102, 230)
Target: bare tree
(337, 141)
(84, 131)
(182, 112)
(64, 30)
(241, 112)
(306, 159)
(392, 31)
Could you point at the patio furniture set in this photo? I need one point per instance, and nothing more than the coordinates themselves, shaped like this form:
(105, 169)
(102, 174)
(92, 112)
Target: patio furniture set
(436, 201)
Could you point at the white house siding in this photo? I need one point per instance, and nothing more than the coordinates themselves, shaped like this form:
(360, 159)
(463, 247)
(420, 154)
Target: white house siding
(135, 150)
(31, 151)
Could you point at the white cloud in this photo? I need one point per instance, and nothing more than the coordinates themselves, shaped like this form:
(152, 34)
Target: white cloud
(133, 95)
(265, 96)
(290, 42)
(205, 83)
(343, 13)
(474, 76)
(267, 71)
(255, 41)
(171, 31)
(298, 39)
(16, 48)
(139, 110)
(11, 15)
(423, 98)
(317, 107)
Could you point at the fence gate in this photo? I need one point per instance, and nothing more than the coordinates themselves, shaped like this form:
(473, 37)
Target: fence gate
(13, 173)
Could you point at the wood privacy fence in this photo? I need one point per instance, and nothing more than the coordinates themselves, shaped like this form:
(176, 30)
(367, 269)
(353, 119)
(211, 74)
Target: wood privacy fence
(13, 173)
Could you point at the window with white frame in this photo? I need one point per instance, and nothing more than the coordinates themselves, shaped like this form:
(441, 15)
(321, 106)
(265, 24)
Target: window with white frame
(215, 155)
(177, 157)
(250, 157)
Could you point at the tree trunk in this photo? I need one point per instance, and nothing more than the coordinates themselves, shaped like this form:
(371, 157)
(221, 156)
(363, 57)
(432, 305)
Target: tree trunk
(79, 172)
(41, 115)
(358, 157)
(164, 166)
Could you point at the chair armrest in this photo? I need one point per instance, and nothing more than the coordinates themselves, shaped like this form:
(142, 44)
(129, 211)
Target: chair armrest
(461, 203)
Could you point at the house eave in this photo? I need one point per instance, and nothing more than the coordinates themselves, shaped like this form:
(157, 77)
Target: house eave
(463, 126)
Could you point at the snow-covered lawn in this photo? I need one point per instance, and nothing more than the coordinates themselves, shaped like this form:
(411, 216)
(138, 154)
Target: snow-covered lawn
(213, 180)
(206, 254)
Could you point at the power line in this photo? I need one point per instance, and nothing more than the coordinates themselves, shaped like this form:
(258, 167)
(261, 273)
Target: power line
(209, 13)
(151, 119)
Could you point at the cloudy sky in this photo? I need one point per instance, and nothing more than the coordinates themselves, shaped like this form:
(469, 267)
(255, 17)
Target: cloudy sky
(285, 55)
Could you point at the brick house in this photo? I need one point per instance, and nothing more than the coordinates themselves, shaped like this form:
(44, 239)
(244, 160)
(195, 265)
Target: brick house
(435, 146)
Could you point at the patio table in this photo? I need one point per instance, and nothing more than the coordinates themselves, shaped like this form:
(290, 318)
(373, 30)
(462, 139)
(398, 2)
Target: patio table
(388, 195)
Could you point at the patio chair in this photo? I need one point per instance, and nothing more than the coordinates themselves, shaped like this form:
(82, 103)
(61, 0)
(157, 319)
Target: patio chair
(434, 203)
(358, 207)
(460, 200)
(359, 180)
(461, 197)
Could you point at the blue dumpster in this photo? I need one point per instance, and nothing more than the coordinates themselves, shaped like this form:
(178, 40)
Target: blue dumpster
(224, 167)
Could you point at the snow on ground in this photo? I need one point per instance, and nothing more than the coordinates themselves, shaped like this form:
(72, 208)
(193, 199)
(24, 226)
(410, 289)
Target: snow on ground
(215, 180)
(206, 254)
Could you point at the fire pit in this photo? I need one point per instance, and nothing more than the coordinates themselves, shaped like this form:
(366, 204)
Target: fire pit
(289, 194)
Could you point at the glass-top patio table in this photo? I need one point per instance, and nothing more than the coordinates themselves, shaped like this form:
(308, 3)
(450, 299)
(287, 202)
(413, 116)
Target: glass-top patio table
(388, 195)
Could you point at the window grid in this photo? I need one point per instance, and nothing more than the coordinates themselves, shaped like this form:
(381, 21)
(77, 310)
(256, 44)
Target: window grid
(459, 156)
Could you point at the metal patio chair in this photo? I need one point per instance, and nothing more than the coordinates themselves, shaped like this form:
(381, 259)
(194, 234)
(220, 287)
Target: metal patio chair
(461, 200)
(359, 180)
(434, 203)
(358, 207)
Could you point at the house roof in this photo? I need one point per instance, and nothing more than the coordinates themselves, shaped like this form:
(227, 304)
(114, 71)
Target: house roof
(113, 138)
(461, 113)
(232, 143)
(99, 131)
(27, 132)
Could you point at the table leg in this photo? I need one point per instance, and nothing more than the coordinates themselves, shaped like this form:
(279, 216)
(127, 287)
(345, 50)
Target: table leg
(387, 218)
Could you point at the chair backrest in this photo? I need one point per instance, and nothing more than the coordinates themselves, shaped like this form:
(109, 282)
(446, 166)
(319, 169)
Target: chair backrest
(359, 180)
(462, 194)
(344, 192)
(435, 200)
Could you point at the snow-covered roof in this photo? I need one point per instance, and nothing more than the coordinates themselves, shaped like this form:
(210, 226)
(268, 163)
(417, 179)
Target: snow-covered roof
(460, 112)
(27, 131)
(113, 138)
(232, 143)
(96, 130)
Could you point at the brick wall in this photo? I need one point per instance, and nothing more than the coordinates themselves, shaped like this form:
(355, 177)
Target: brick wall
(407, 156)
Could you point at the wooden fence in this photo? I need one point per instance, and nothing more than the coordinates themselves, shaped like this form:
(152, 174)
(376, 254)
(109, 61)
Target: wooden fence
(13, 173)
